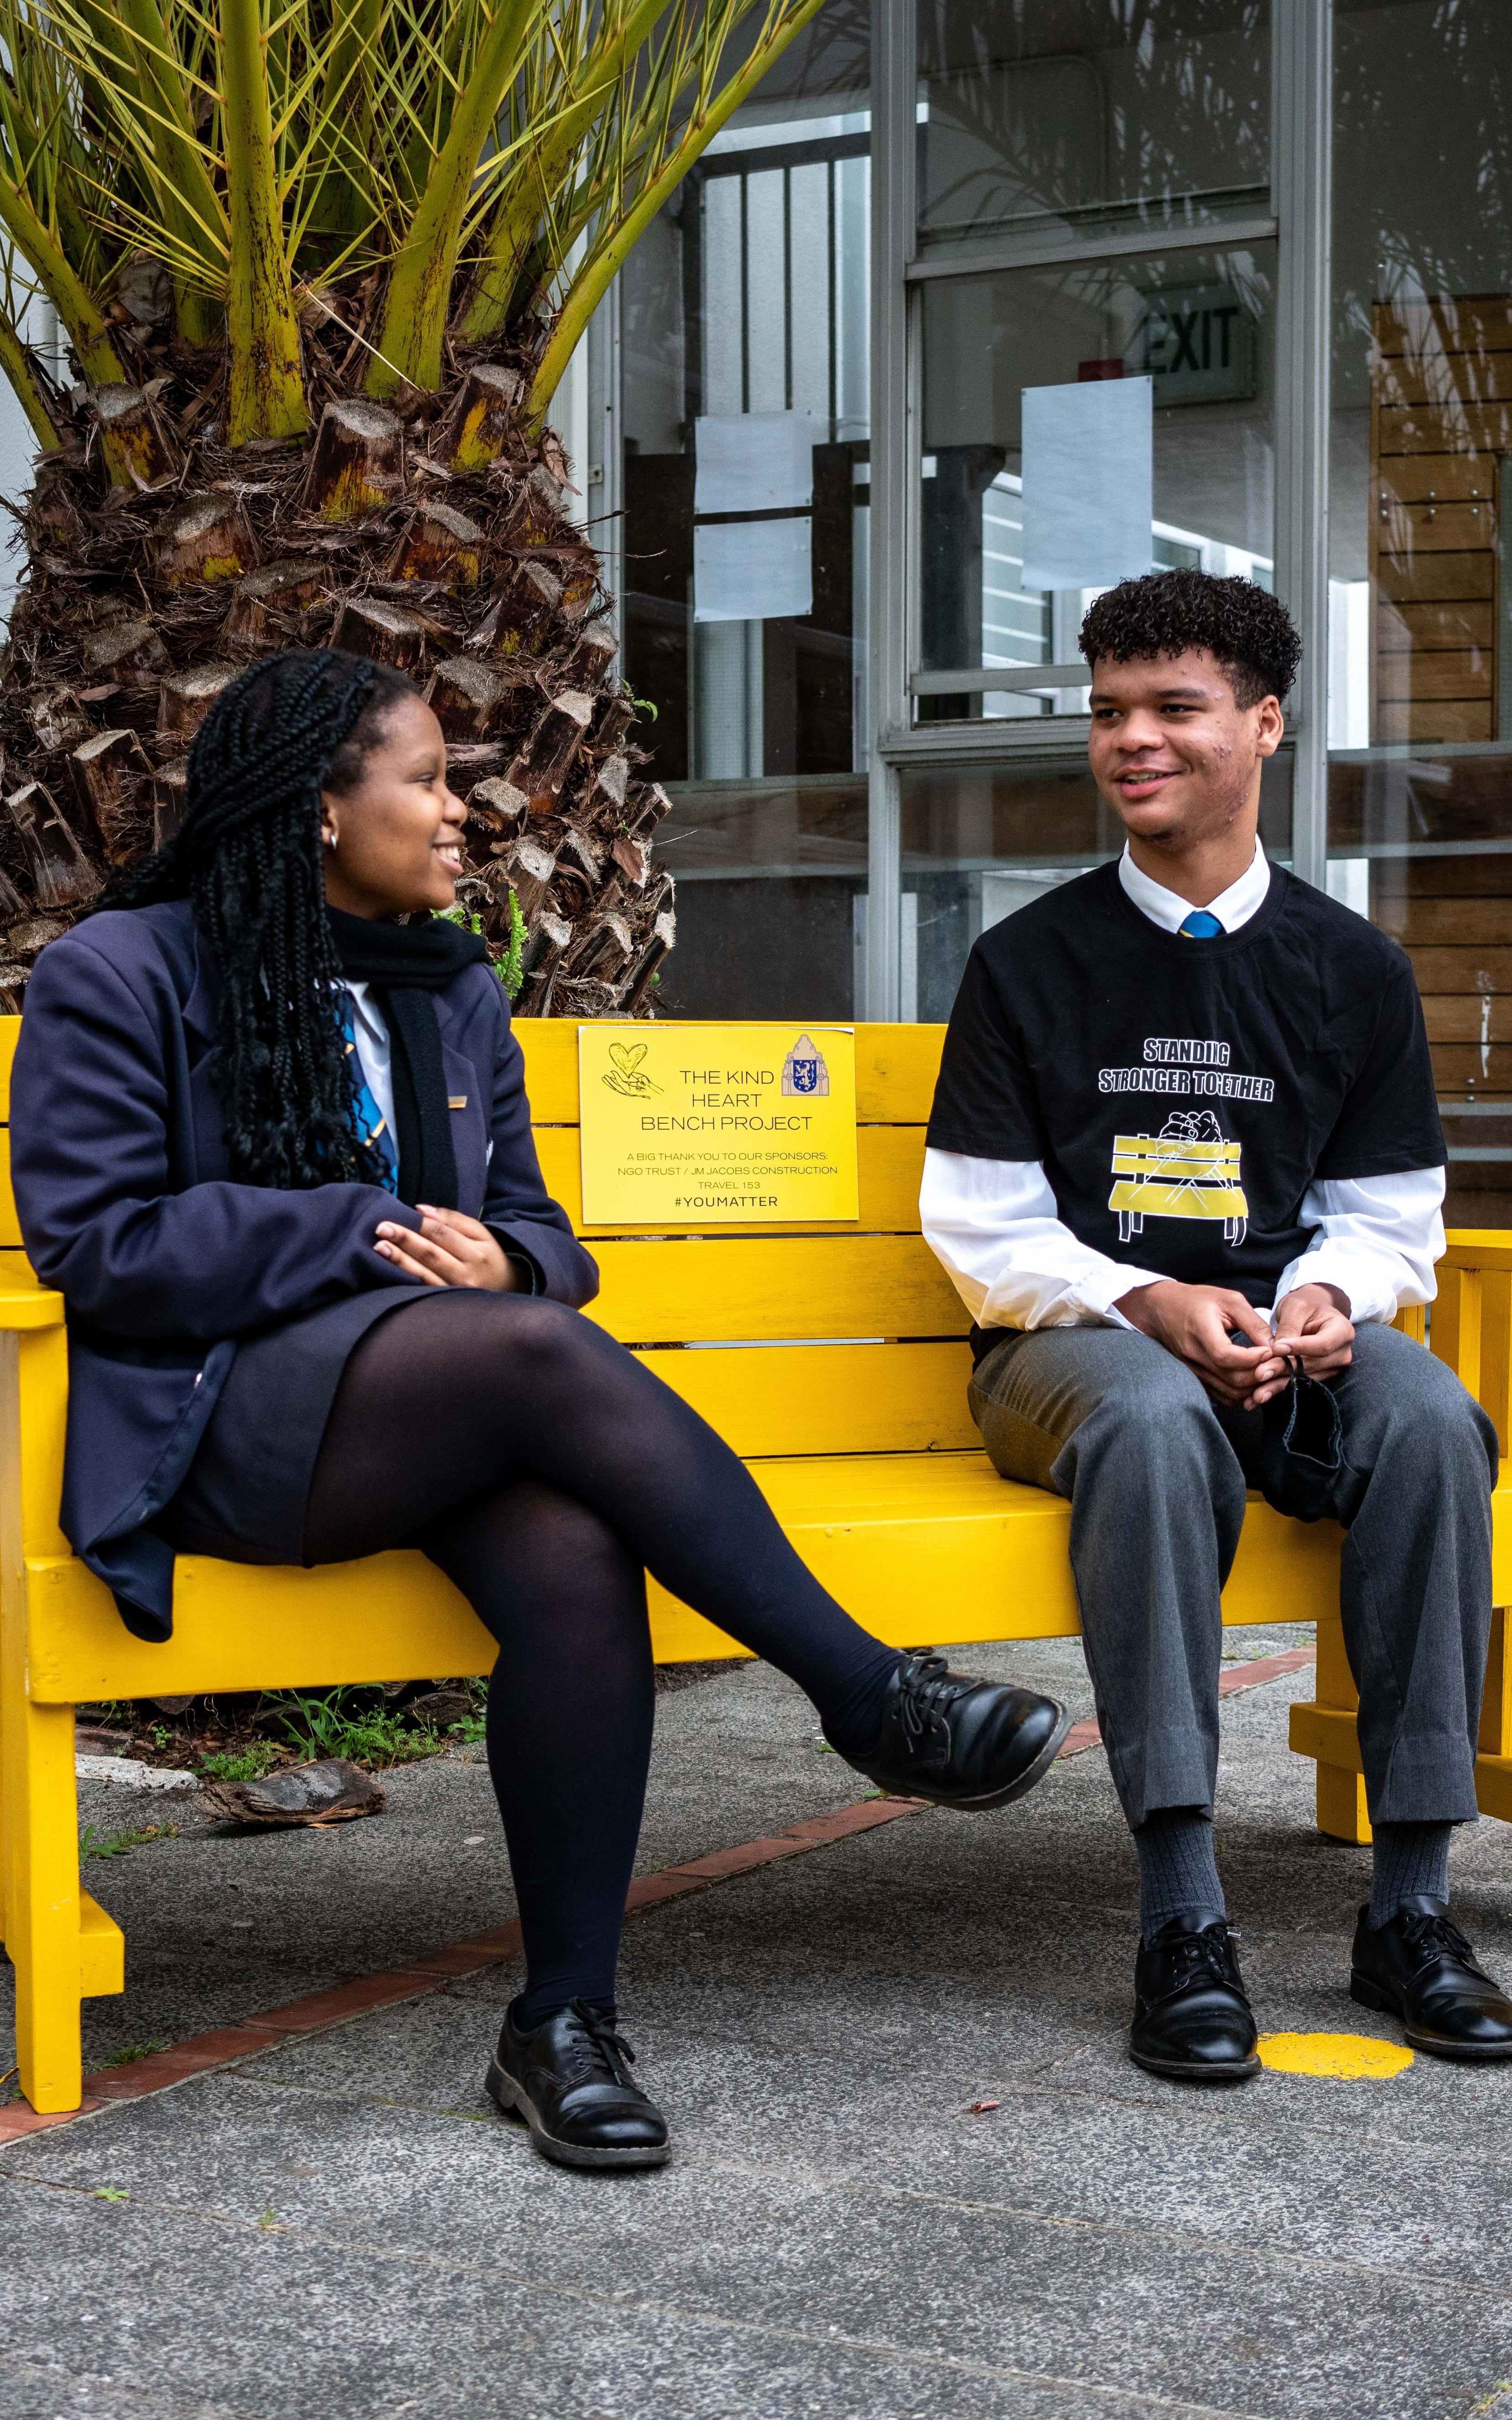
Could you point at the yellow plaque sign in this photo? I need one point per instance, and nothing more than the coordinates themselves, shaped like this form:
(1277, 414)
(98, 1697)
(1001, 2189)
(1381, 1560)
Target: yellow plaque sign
(717, 1125)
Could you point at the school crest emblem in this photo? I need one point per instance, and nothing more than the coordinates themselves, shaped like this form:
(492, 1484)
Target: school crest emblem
(804, 1070)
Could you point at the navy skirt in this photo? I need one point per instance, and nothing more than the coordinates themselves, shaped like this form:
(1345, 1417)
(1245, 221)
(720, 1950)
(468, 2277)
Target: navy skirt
(245, 1494)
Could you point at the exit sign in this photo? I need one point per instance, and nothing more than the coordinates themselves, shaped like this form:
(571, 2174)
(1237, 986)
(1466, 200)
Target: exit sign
(1198, 343)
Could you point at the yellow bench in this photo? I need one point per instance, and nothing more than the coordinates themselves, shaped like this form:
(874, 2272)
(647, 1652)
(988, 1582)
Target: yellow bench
(863, 1446)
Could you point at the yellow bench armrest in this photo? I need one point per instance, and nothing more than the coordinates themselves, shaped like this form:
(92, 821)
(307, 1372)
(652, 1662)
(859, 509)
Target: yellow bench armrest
(29, 1307)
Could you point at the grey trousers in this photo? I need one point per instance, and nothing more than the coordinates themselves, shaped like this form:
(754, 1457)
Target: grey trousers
(1156, 1475)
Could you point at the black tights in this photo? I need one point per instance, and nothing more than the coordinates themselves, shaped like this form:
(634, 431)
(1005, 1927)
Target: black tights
(546, 1470)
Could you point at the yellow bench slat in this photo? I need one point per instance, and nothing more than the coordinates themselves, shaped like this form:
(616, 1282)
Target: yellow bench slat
(889, 1163)
(693, 1290)
(923, 1548)
(9, 1036)
(895, 1069)
(828, 1399)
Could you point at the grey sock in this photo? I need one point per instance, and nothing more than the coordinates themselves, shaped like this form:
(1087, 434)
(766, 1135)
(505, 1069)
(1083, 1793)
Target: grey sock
(1178, 1871)
(1411, 1860)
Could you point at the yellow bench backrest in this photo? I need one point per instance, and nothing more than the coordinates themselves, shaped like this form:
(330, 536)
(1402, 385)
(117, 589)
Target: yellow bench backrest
(894, 1380)
(865, 1334)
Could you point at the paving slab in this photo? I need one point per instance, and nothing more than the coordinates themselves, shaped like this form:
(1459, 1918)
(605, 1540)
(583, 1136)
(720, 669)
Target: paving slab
(340, 2221)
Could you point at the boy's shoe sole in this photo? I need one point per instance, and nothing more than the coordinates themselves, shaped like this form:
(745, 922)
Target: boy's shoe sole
(1370, 1996)
(1204, 2070)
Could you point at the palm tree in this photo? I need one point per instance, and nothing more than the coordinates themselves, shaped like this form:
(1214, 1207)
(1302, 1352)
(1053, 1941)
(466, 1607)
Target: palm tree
(319, 266)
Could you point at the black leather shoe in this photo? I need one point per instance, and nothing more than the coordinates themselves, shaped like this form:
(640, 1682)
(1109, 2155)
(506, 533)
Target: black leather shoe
(1421, 1968)
(569, 2080)
(959, 1741)
(1191, 2018)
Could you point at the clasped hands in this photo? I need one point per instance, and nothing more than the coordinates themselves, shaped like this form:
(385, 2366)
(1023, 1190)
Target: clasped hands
(1312, 1335)
(451, 1250)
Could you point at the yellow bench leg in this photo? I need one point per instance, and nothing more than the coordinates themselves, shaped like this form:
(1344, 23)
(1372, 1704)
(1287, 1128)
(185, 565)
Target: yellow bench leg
(42, 1899)
(1494, 1765)
(1326, 1730)
(1341, 1802)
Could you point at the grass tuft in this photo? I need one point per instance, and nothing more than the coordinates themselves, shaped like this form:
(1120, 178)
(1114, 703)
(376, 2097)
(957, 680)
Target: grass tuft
(130, 2053)
(239, 1763)
(332, 1726)
(120, 1844)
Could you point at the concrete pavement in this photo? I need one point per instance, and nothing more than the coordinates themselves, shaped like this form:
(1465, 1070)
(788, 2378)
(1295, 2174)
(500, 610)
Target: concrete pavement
(340, 2222)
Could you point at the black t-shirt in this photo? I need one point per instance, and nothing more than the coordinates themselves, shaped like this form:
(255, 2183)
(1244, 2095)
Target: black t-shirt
(1182, 1095)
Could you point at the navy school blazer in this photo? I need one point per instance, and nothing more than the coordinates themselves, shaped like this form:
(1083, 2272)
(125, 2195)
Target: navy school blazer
(127, 1206)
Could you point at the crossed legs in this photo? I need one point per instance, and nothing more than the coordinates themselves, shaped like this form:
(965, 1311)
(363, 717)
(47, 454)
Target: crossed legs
(546, 1470)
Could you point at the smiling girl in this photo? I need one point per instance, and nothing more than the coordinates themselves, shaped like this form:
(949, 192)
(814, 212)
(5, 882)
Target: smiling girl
(257, 1119)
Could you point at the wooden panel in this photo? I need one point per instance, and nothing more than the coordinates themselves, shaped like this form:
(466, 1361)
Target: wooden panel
(890, 1164)
(1442, 722)
(1445, 381)
(1442, 673)
(1438, 528)
(716, 1288)
(1441, 878)
(1466, 625)
(1433, 579)
(895, 1069)
(1467, 922)
(1460, 1068)
(1413, 428)
(1414, 478)
(1464, 1017)
(1462, 970)
(1457, 323)
(790, 1399)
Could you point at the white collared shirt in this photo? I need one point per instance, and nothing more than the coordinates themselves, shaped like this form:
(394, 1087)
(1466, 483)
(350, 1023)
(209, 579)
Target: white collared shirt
(992, 1224)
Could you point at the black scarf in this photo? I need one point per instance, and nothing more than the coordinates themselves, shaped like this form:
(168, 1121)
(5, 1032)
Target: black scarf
(405, 963)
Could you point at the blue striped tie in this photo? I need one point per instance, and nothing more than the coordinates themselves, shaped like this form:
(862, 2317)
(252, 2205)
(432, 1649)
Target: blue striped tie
(369, 1116)
(1199, 926)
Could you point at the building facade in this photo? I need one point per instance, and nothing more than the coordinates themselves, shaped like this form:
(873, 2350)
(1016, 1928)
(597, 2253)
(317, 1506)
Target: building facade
(976, 308)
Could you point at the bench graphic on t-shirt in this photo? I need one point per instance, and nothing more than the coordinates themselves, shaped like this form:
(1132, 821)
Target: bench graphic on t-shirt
(1188, 1171)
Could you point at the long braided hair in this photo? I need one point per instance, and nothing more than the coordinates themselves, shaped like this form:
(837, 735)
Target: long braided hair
(248, 858)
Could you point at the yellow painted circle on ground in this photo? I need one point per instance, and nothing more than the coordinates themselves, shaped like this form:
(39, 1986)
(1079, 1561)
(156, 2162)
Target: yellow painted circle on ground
(1345, 2057)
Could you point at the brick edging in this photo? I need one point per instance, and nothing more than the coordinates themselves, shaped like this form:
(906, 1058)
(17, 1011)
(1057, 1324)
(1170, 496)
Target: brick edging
(225, 2044)
(1232, 1682)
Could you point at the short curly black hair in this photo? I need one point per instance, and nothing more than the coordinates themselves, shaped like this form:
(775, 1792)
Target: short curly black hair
(1246, 628)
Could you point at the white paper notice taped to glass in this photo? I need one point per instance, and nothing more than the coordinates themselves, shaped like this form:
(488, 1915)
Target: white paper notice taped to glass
(753, 571)
(754, 463)
(1088, 483)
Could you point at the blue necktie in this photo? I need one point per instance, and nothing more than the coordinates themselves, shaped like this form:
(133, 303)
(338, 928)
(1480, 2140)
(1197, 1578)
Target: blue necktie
(369, 1116)
(1199, 926)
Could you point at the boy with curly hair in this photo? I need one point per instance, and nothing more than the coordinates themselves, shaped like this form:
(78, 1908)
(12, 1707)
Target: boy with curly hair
(1184, 1166)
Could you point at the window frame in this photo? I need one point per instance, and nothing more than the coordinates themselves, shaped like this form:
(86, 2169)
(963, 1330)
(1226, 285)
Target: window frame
(1298, 222)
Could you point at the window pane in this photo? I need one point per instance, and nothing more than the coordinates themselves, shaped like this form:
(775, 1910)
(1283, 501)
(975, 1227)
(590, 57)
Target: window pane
(1078, 114)
(978, 845)
(1420, 671)
(771, 899)
(746, 304)
(1197, 325)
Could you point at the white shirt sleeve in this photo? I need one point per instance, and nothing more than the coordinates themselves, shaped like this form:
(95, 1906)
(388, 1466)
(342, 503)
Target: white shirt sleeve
(1377, 1238)
(993, 1227)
